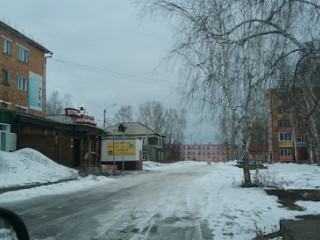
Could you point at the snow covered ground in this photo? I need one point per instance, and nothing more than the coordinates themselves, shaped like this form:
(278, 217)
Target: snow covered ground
(213, 194)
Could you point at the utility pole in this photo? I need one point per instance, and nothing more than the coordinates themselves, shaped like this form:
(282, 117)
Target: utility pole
(122, 129)
(104, 119)
(113, 157)
(104, 115)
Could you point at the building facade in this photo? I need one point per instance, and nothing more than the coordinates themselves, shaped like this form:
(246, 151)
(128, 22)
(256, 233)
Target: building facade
(22, 66)
(209, 152)
(288, 137)
(22, 86)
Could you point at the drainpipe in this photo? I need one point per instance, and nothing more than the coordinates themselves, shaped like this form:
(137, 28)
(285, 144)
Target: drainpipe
(45, 82)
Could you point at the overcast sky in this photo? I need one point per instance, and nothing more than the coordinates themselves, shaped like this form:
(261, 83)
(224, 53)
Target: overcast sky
(103, 54)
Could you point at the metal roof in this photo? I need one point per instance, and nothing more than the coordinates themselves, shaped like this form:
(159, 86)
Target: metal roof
(133, 129)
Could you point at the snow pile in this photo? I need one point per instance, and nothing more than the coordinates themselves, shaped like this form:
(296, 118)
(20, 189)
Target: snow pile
(28, 166)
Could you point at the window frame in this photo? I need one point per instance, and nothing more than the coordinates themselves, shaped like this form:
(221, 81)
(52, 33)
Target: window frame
(6, 73)
(284, 123)
(285, 152)
(22, 53)
(300, 139)
(24, 83)
(6, 45)
(284, 136)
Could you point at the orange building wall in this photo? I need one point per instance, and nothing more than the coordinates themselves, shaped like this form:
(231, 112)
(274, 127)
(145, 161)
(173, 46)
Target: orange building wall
(16, 67)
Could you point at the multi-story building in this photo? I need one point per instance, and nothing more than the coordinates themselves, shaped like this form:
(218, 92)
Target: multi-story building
(288, 138)
(211, 152)
(22, 66)
(22, 81)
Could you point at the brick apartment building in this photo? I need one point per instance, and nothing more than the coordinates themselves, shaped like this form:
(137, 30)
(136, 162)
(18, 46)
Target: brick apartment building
(212, 152)
(22, 66)
(288, 139)
(22, 107)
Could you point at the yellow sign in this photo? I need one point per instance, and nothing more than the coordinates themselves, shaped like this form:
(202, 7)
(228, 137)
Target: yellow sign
(128, 148)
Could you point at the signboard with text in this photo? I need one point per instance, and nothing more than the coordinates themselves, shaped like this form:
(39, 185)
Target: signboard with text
(35, 91)
(130, 150)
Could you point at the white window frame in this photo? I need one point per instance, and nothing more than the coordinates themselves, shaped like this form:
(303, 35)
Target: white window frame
(6, 45)
(285, 136)
(300, 139)
(22, 53)
(22, 83)
(285, 152)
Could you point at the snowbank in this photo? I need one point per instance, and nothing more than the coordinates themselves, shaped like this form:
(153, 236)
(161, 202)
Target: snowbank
(290, 176)
(28, 166)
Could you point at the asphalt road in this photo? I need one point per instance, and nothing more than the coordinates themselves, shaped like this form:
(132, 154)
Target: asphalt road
(139, 206)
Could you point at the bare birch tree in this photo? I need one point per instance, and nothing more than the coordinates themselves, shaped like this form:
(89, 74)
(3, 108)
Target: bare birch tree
(153, 115)
(231, 48)
(57, 103)
(125, 114)
(175, 125)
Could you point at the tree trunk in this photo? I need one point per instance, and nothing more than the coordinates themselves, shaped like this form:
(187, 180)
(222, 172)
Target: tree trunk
(246, 171)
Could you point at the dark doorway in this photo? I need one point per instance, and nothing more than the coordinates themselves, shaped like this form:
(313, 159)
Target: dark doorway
(76, 152)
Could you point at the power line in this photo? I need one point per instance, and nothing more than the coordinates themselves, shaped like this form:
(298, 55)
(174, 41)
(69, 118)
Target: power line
(129, 77)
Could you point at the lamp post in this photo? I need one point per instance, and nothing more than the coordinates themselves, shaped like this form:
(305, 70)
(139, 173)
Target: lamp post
(104, 114)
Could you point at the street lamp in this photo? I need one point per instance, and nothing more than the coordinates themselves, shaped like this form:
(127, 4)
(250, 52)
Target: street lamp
(104, 115)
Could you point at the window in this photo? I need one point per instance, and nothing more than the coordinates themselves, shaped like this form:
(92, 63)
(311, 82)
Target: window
(285, 152)
(285, 136)
(283, 109)
(5, 77)
(6, 45)
(300, 139)
(22, 83)
(284, 123)
(22, 54)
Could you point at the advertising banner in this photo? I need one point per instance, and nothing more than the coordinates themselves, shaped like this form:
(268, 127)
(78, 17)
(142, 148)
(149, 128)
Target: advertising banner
(128, 149)
(131, 150)
(35, 91)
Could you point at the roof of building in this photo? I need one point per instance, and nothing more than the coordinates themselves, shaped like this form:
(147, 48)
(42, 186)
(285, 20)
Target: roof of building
(22, 117)
(24, 37)
(133, 129)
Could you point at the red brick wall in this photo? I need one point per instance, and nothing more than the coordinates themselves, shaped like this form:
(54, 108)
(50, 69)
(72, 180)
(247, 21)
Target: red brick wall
(16, 67)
